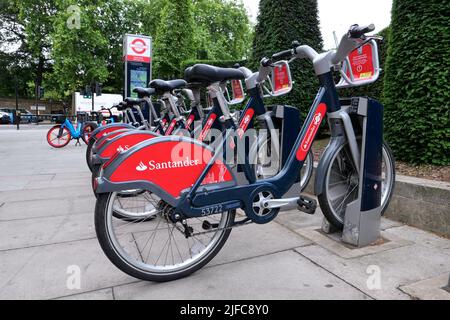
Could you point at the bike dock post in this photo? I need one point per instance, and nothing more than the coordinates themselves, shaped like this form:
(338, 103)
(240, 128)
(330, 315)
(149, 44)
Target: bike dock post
(363, 215)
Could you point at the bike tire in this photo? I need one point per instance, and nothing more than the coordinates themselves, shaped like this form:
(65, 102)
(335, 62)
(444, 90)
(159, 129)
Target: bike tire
(66, 133)
(89, 153)
(106, 243)
(88, 128)
(329, 213)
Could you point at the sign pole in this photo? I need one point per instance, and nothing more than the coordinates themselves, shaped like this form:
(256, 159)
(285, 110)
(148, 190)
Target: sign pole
(17, 102)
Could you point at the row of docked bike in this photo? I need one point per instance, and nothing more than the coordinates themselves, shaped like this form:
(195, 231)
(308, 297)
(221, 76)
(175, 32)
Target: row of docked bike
(169, 180)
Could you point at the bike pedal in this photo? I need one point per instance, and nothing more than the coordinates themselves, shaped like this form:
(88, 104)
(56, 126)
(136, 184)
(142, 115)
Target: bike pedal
(307, 205)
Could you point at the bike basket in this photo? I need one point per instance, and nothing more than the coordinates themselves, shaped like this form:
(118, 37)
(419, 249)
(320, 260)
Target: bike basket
(234, 92)
(361, 67)
(279, 82)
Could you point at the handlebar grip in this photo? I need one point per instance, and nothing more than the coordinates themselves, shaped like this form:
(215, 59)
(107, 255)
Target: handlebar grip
(287, 54)
(357, 31)
(266, 62)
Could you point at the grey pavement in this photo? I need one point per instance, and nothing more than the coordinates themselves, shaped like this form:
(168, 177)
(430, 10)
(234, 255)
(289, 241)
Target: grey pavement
(47, 228)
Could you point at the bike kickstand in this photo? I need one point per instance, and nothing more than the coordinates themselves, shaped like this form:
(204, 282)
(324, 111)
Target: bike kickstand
(78, 143)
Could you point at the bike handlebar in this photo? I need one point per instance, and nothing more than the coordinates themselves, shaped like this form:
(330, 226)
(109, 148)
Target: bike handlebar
(357, 31)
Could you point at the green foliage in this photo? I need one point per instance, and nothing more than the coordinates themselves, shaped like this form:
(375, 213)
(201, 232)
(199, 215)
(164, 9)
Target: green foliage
(279, 23)
(375, 89)
(222, 29)
(174, 42)
(416, 88)
(37, 46)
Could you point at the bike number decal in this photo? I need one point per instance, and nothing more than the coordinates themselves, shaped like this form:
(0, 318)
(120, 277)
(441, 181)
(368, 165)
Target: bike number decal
(248, 116)
(311, 132)
(207, 127)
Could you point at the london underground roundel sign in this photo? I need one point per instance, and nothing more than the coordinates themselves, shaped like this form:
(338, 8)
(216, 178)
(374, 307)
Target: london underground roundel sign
(137, 48)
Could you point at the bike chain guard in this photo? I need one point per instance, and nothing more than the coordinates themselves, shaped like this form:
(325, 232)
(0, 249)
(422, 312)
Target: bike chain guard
(256, 206)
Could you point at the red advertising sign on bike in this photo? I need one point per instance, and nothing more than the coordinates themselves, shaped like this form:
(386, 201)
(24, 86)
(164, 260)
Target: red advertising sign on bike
(361, 63)
(238, 93)
(281, 78)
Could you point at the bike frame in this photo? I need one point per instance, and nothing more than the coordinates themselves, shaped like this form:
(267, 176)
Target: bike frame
(196, 203)
(74, 132)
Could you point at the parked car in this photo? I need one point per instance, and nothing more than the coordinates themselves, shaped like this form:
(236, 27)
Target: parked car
(4, 118)
(25, 115)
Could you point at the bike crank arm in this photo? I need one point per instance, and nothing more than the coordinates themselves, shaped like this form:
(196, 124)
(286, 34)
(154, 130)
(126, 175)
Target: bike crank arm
(303, 203)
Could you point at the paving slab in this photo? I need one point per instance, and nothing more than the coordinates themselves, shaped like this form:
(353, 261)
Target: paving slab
(103, 294)
(280, 276)
(429, 289)
(257, 240)
(45, 193)
(390, 269)
(30, 209)
(333, 243)
(422, 237)
(18, 234)
(44, 272)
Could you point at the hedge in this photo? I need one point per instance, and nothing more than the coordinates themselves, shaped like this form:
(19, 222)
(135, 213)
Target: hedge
(416, 88)
(279, 23)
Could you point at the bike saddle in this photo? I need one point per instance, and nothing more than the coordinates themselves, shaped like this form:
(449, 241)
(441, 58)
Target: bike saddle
(207, 74)
(132, 102)
(121, 106)
(162, 86)
(144, 92)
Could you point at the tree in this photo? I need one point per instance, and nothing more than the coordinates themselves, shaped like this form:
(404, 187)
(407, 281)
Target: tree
(279, 23)
(222, 30)
(174, 41)
(416, 88)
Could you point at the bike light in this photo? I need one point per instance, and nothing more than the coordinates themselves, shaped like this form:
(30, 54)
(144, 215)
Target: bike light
(95, 184)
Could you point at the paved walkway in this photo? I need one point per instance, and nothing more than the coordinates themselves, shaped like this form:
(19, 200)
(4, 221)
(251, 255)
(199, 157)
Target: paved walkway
(47, 233)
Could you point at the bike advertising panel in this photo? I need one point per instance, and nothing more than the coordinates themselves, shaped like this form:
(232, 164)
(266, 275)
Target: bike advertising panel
(137, 54)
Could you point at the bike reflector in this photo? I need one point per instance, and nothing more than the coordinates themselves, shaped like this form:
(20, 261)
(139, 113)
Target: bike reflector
(280, 81)
(237, 94)
(361, 66)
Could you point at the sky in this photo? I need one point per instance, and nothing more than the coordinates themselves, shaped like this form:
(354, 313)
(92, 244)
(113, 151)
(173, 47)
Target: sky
(339, 15)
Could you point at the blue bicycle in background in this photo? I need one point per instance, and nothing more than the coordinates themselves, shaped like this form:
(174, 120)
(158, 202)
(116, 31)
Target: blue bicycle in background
(60, 135)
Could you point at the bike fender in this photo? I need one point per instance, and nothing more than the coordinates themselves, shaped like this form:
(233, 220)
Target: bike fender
(102, 141)
(166, 166)
(325, 161)
(123, 142)
(101, 131)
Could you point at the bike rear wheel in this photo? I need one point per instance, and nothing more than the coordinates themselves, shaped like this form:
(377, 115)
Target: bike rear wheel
(57, 137)
(341, 183)
(157, 249)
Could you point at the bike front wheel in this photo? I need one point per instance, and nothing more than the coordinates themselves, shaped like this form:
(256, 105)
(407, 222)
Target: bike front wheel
(58, 137)
(158, 249)
(341, 181)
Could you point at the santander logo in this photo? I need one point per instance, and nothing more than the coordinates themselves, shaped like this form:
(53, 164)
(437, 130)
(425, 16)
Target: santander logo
(153, 165)
(120, 148)
(311, 132)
